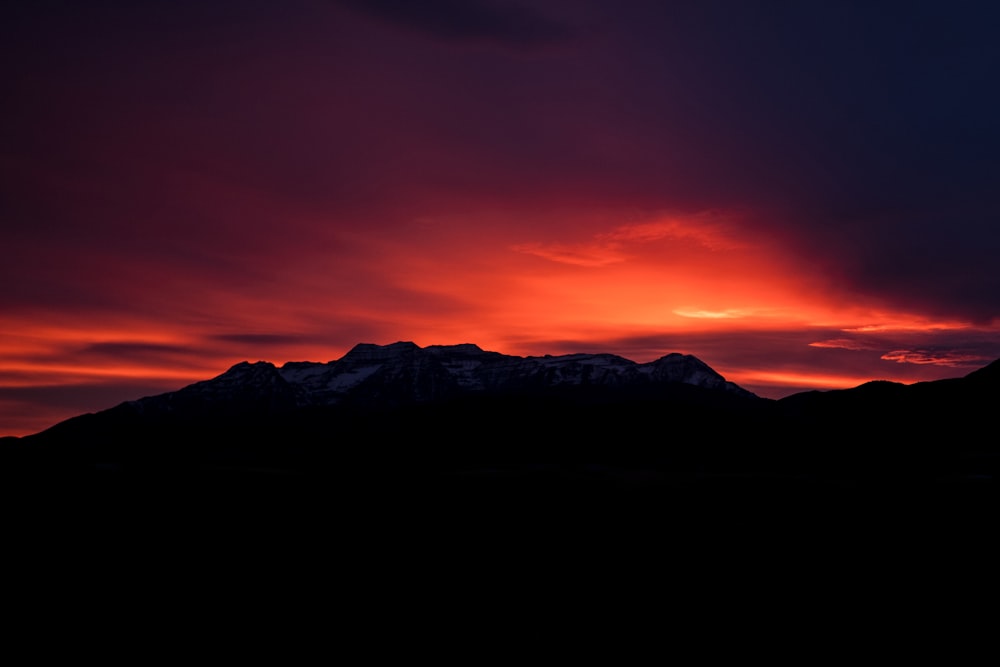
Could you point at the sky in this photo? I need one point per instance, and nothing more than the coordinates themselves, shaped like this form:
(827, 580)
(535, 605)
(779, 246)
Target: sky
(802, 194)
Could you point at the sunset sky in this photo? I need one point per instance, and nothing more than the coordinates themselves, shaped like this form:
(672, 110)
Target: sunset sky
(803, 194)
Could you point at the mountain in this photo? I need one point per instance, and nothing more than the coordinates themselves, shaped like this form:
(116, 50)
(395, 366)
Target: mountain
(458, 408)
(403, 373)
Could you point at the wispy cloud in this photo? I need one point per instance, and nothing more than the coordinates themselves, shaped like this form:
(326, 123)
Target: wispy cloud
(844, 344)
(950, 358)
(584, 254)
(705, 230)
(729, 314)
(950, 346)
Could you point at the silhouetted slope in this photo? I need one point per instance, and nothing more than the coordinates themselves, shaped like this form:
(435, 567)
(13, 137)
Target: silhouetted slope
(927, 428)
(985, 376)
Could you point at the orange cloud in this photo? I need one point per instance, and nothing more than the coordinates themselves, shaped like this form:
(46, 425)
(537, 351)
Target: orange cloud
(949, 358)
(843, 344)
(706, 230)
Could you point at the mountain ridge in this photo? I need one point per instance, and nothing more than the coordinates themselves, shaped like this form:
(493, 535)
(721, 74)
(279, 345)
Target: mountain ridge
(403, 407)
(403, 372)
(325, 383)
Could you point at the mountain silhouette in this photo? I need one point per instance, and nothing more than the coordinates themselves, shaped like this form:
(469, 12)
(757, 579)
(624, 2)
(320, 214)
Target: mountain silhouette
(459, 410)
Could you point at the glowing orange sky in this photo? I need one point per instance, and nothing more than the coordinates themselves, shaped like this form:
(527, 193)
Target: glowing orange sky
(697, 277)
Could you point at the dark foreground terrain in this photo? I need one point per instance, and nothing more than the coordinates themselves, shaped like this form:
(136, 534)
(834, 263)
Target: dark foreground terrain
(710, 521)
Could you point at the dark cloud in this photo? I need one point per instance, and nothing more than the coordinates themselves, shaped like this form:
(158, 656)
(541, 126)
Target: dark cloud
(30, 409)
(133, 350)
(121, 360)
(83, 397)
(468, 20)
(963, 348)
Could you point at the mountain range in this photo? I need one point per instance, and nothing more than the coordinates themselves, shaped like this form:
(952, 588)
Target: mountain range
(459, 409)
